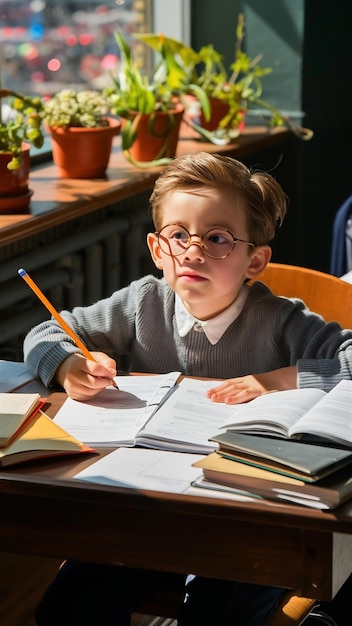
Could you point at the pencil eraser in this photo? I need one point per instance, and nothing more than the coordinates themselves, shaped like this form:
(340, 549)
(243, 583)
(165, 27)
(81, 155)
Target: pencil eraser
(21, 272)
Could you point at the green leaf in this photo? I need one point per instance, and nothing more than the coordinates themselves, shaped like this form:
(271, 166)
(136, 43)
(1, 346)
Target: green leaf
(146, 164)
(203, 99)
(157, 41)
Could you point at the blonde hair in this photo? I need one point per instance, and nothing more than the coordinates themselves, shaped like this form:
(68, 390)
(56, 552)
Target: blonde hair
(256, 193)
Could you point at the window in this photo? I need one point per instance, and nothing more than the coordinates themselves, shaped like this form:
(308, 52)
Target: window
(46, 45)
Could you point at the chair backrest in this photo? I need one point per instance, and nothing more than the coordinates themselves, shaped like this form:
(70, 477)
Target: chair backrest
(323, 293)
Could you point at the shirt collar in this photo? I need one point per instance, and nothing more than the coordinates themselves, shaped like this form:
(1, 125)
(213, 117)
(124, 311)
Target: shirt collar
(215, 327)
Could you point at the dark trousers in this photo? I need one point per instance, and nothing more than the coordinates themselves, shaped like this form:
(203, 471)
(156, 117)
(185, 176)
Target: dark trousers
(84, 594)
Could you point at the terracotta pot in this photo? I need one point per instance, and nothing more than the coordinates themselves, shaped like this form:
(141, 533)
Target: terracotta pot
(14, 192)
(194, 113)
(83, 152)
(157, 135)
(218, 110)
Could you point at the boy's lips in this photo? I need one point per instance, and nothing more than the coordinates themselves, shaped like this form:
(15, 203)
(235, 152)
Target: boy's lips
(192, 276)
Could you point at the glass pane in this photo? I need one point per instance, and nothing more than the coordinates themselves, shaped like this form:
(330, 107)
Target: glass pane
(47, 45)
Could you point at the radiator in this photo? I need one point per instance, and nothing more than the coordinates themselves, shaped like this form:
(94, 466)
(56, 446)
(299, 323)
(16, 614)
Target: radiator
(71, 268)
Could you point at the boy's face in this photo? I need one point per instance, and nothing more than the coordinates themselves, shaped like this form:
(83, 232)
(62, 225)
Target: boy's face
(207, 286)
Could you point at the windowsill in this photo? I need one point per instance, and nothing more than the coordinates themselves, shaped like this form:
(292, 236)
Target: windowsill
(56, 200)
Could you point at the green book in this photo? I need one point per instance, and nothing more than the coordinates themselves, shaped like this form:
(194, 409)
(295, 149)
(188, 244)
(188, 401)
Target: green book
(309, 462)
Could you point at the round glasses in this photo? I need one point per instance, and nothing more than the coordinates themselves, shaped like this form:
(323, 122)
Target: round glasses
(217, 243)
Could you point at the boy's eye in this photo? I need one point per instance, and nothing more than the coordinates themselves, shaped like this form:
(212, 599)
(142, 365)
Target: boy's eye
(180, 235)
(218, 238)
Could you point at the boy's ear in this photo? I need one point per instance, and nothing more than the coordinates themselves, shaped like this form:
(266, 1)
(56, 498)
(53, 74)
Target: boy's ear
(154, 249)
(259, 260)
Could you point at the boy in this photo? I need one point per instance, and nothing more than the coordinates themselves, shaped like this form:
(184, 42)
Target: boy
(214, 221)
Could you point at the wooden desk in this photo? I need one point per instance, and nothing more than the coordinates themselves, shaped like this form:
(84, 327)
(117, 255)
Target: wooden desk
(45, 512)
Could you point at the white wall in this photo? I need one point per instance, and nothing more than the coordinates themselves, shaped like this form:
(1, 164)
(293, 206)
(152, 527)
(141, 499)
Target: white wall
(173, 19)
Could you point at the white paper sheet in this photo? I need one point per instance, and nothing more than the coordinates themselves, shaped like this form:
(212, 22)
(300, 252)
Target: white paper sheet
(113, 417)
(155, 470)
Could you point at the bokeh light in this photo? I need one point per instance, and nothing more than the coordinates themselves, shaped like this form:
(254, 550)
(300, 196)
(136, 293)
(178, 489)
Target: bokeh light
(109, 61)
(54, 65)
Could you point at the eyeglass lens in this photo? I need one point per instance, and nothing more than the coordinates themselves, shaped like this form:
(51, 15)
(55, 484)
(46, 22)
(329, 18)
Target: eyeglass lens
(216, 243)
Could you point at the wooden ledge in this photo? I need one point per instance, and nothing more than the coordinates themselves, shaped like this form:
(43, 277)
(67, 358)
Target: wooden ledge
(56, 200)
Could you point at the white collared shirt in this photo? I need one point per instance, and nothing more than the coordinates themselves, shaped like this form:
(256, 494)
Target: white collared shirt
(215, 327)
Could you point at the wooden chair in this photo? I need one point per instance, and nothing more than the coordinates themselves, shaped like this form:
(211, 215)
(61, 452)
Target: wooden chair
(323, 293)
(331, 297)
(295, 608)
(292, 610)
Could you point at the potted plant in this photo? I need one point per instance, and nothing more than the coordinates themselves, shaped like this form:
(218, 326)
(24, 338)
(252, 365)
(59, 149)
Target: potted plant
(150, 112)
(82, 131)
(20, 127)
(231, 93)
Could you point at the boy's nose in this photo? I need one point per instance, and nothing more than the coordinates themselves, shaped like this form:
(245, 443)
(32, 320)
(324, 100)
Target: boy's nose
(195, 248)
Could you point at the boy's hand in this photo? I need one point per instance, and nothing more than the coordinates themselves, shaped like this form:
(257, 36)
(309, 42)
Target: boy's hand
(82, 378)
(245, 388)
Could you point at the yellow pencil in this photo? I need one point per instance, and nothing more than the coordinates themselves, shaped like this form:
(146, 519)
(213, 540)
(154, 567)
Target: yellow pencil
(57, 316)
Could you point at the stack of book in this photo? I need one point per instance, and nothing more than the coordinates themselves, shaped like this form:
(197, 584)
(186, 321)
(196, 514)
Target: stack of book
(309, 463)
(27, 433)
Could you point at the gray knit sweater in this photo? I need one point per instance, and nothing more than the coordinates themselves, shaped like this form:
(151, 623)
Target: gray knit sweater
(139, 321)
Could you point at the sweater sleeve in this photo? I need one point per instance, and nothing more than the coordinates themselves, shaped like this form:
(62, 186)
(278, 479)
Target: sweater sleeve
(326, 373)
(107, 326)
(321, 351)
